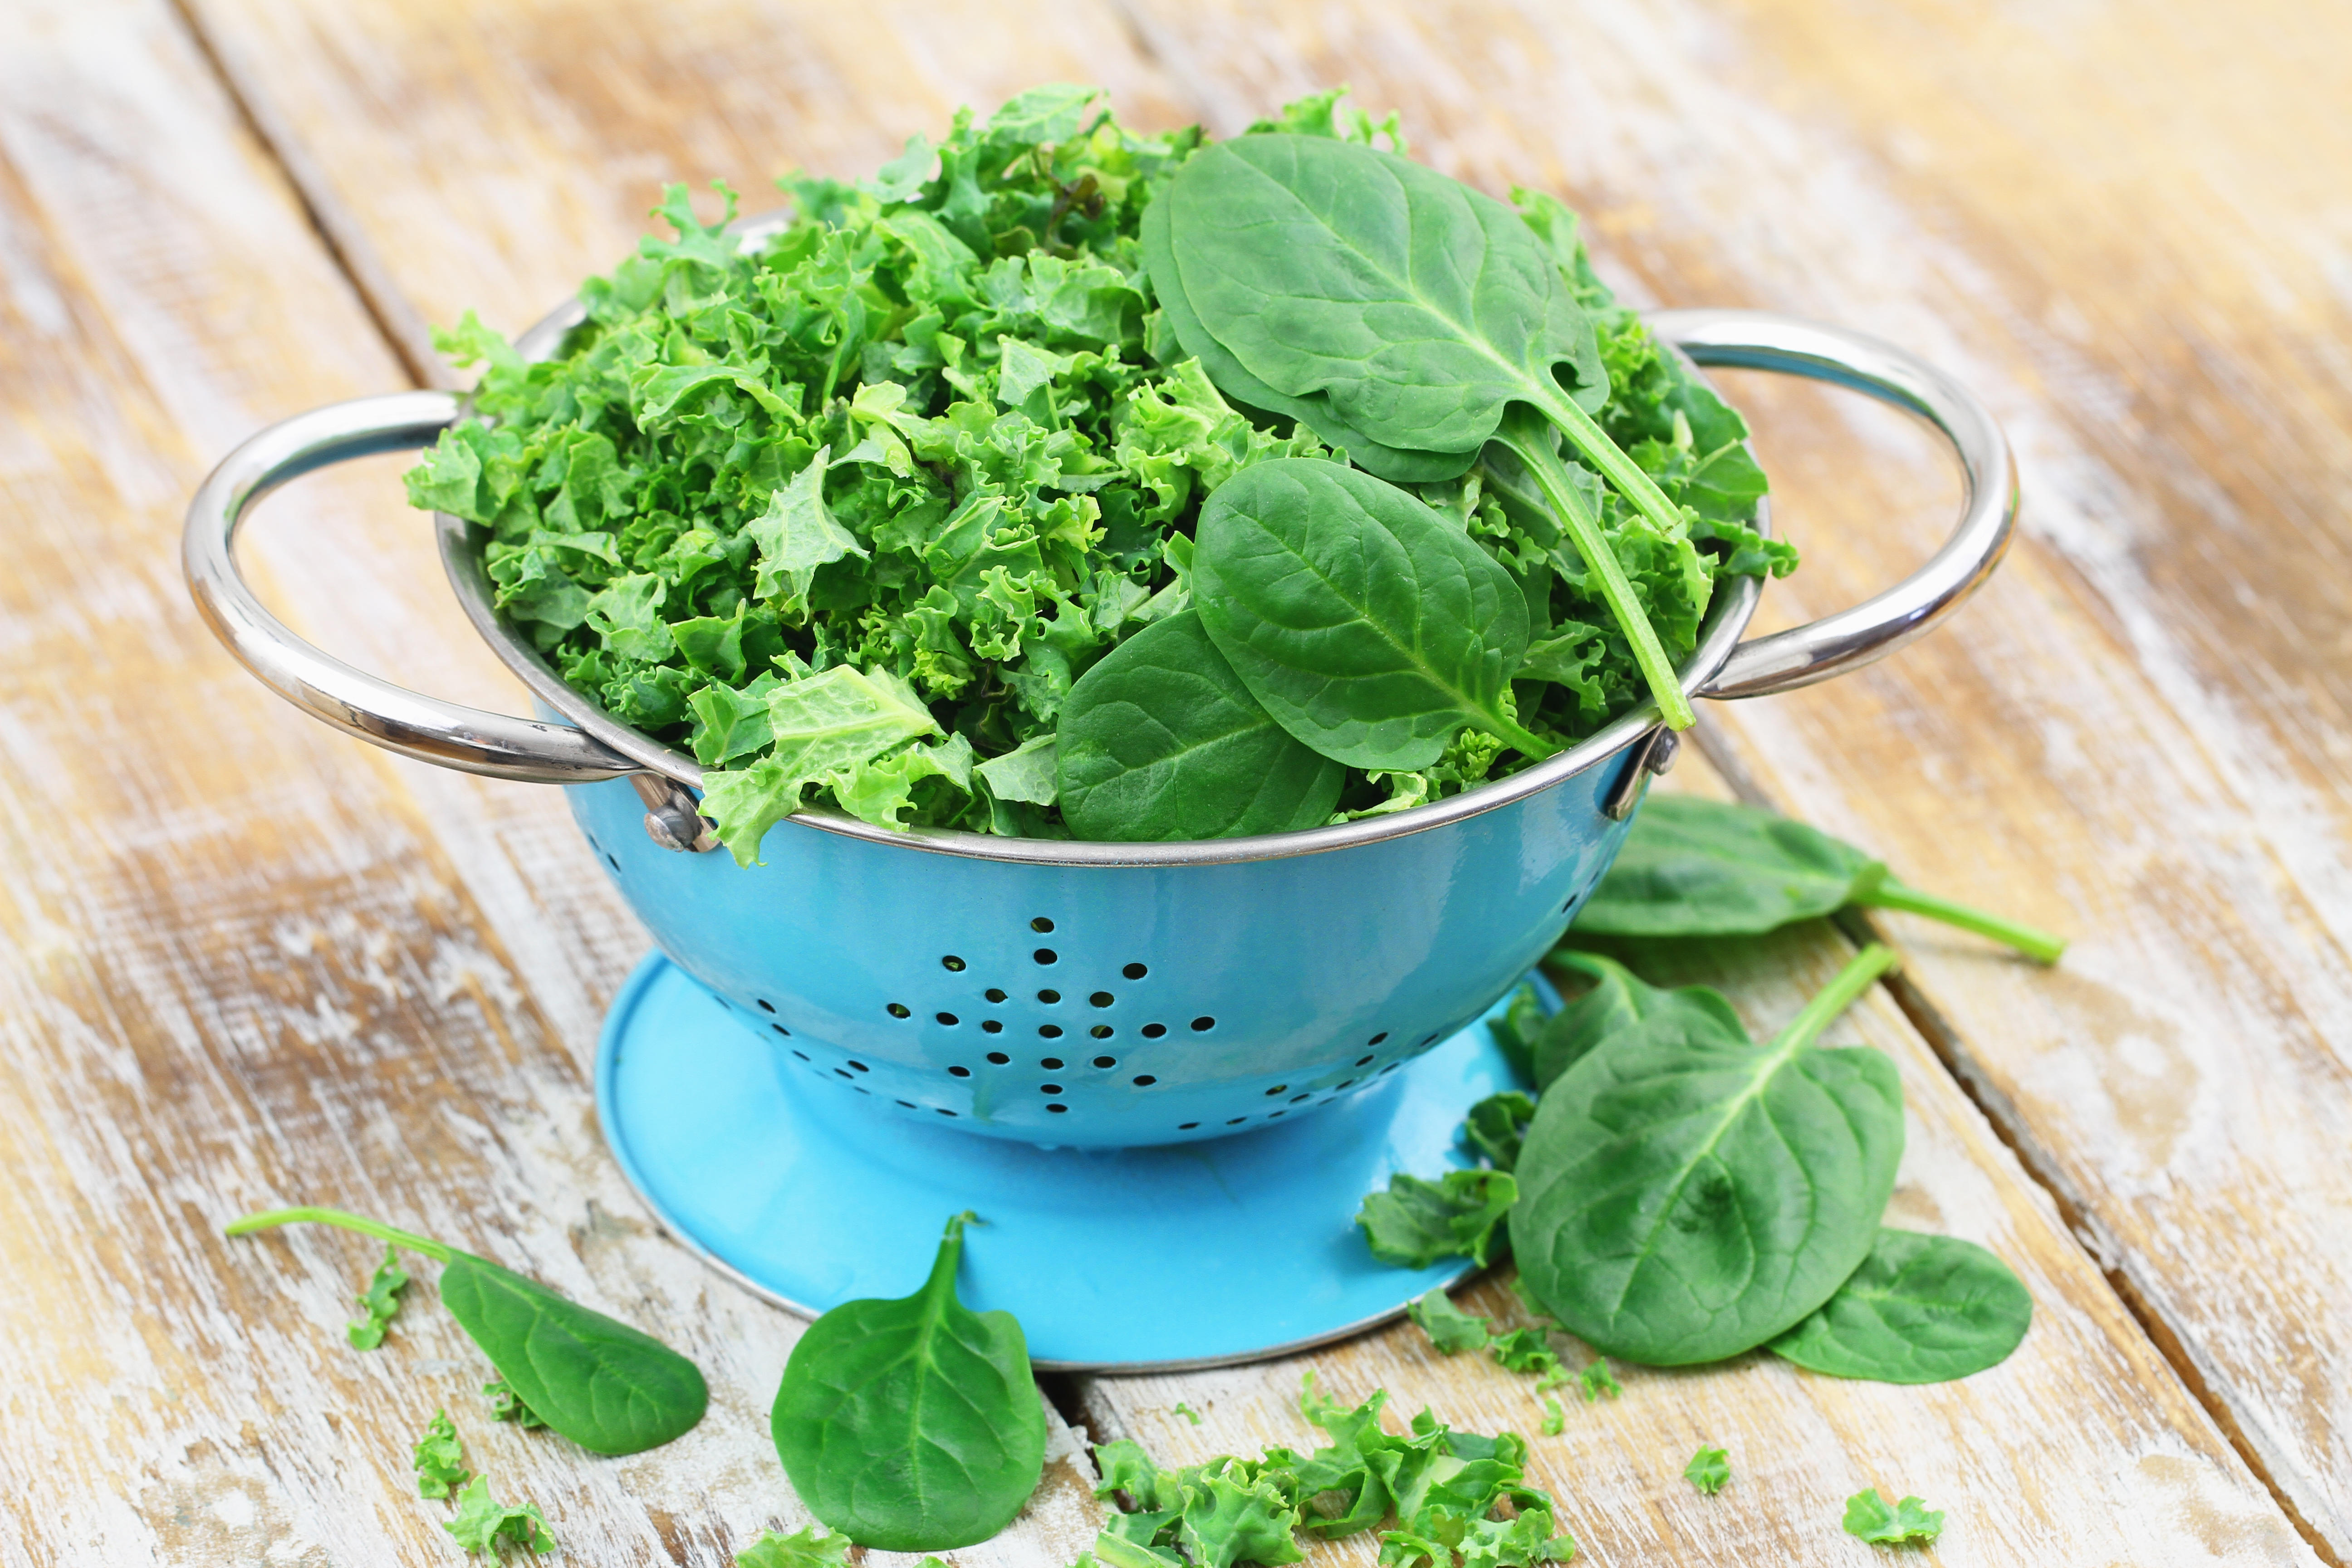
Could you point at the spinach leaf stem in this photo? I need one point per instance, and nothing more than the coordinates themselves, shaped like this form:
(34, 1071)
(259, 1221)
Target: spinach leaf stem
(2040, 945)
(1533, 449)
(248, 1223)
(1855, 978)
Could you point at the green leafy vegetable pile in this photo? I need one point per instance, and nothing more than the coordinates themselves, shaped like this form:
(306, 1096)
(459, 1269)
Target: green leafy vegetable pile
(901, 509)
(1447, 1499)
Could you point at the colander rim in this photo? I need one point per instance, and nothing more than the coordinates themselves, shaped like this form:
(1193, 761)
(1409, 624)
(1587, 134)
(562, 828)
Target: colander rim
(1726, 619)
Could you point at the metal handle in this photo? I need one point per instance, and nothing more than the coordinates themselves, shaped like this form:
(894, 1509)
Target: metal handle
(425, 728)
(1760, 340)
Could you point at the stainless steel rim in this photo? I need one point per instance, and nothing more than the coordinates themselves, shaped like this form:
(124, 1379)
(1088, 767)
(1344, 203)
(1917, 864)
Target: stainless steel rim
(594, 746)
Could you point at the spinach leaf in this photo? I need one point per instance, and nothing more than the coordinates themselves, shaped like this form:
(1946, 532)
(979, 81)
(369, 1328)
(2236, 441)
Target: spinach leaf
(1161, 740)
(1517, 1031)
(1868, 1516)
(1709, 1471)
(482, 1522)
(1449, 1327)
(1708, 868)
(1690, 1197)
(912, 1425)
(1921, 1308)
(381, 1301)
(438, 1459)
(1425, 311)
(1234, 379)
(1417, 1222)
(1372, 629)
(600, 1383)
(1619, 1003)
(1498, 1126)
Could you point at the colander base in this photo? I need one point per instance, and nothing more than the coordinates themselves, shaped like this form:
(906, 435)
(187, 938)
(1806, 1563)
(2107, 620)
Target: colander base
(1113, 1260)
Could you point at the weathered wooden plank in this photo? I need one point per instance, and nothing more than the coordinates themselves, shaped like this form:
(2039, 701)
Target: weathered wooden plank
(454, 77)
(2138, 734)
(237, 964)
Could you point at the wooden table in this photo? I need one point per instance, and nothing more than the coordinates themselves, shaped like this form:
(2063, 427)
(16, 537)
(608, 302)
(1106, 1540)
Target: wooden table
(246, 960)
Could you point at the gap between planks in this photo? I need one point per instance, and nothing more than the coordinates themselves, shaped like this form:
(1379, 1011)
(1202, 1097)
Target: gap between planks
(408, 337)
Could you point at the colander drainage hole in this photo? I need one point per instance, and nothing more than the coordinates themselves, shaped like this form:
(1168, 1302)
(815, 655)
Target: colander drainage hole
(781, 1030)
(1376, 1039)
(943, 1111)
(1137, 972)
(909, 1104)
(1237, 1121)
(1274, 1115)
(610, 861)
(1391, 1066)
(1343, 1083)
(1042, 925)
(1050, 1031)
(1363, 1061)
(1202, 1026)
(1049, 1089)
(1144, 1080)
(994, 994)
(949, 1019)
(1049, 997)
(861, 1067)
(1045, 955)
(1186, 1126)
(959, 1072)
(899, 1010)
(1298, 1099)
(999, 1057)
(803, 1055)
(1106, 1061)
(951, 963)
(1278, 1089)
(843, 1072)
(991, 1027)
(1101, 1031)
(765, 1006)
(1101, 999)
(1058, 1109)
(1153, 1031)
(1050, 1064)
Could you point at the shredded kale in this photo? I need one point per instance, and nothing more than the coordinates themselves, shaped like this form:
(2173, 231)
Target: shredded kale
(506, 1404)
(482, 1522)
(380, 1300)
(847, 511)
(1709, 1471)
(440, 1458)
(1450, 1499)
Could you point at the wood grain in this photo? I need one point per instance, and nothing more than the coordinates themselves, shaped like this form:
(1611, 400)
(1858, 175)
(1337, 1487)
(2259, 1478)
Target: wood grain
(372, 966)
(238, 963)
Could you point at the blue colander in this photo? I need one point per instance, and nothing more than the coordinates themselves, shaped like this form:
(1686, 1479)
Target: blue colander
(1102, 1001)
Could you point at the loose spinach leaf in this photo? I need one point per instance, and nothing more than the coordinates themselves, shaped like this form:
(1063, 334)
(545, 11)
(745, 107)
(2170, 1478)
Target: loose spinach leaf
(912, 1425)
(1709, 1471)
(439, 1459)
(1707, 868)
(1868, 1516)
(1689, 1198)
(1161, 740)
(1372, 629)
(1449, 1327)
(598, 1382)
(1424, 311)
(482, 1522)
(381, 1301)
(506, 1404)
(1415, 1222)
(1498, 1126)
(802, 1548)
(1920, 1309)
(1621, 1003)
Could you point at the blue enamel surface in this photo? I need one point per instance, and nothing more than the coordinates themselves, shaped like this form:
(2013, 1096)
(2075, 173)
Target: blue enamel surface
(1162, 1004)
(818, 1195)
